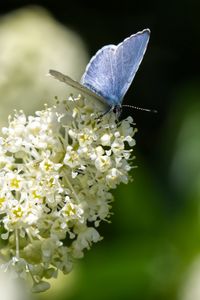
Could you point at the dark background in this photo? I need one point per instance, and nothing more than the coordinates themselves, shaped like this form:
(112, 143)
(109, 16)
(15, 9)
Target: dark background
(154, 237)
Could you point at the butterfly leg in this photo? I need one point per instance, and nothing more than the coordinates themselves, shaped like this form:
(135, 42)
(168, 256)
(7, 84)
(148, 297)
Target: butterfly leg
(117, 110)
(110, 108)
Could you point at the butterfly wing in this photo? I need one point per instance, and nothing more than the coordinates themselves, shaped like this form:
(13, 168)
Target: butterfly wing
(128, 57)
(111, 71)
(82, 89)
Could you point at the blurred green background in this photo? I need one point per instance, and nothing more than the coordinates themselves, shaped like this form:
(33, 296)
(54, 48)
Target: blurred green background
(151, 250)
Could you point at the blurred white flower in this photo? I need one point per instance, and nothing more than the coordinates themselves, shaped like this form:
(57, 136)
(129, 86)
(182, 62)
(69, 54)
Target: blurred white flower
(10, 288)
(56, 172)
(32, 42)
(190, 289)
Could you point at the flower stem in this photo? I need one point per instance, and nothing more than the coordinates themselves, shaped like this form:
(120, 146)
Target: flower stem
(17, 243)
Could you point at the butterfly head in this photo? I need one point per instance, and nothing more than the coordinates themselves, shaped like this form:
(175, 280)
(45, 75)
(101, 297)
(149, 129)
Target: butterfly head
(117, 109)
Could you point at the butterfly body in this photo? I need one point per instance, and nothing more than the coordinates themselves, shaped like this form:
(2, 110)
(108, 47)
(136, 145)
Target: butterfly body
(111, 70)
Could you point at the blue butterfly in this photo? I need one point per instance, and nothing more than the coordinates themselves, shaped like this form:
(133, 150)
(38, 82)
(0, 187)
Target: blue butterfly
(111, 71)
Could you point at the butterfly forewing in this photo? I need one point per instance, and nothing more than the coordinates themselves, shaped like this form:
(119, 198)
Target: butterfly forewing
(130, 54)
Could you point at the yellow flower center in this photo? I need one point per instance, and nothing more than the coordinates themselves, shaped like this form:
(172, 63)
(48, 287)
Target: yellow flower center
(15, 183)
(2, 200)
(36, 195)
(18, 212)
(47, 166)
(69, 211)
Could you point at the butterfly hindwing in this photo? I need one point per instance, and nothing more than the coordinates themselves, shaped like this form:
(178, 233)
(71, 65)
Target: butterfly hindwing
(98, 75)
(82, 89)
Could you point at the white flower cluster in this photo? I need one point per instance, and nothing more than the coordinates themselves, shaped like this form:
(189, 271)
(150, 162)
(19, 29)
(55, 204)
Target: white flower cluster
(56, 172)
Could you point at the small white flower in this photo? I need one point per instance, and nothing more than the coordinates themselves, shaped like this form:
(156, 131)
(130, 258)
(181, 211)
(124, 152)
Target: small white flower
(71, 158)
(105, 139)
(103, 163)
(117, 146)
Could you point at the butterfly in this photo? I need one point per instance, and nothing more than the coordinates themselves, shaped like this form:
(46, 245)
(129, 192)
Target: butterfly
(111, 71)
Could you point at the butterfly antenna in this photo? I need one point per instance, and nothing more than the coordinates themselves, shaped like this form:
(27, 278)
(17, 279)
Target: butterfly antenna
(140, 108)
